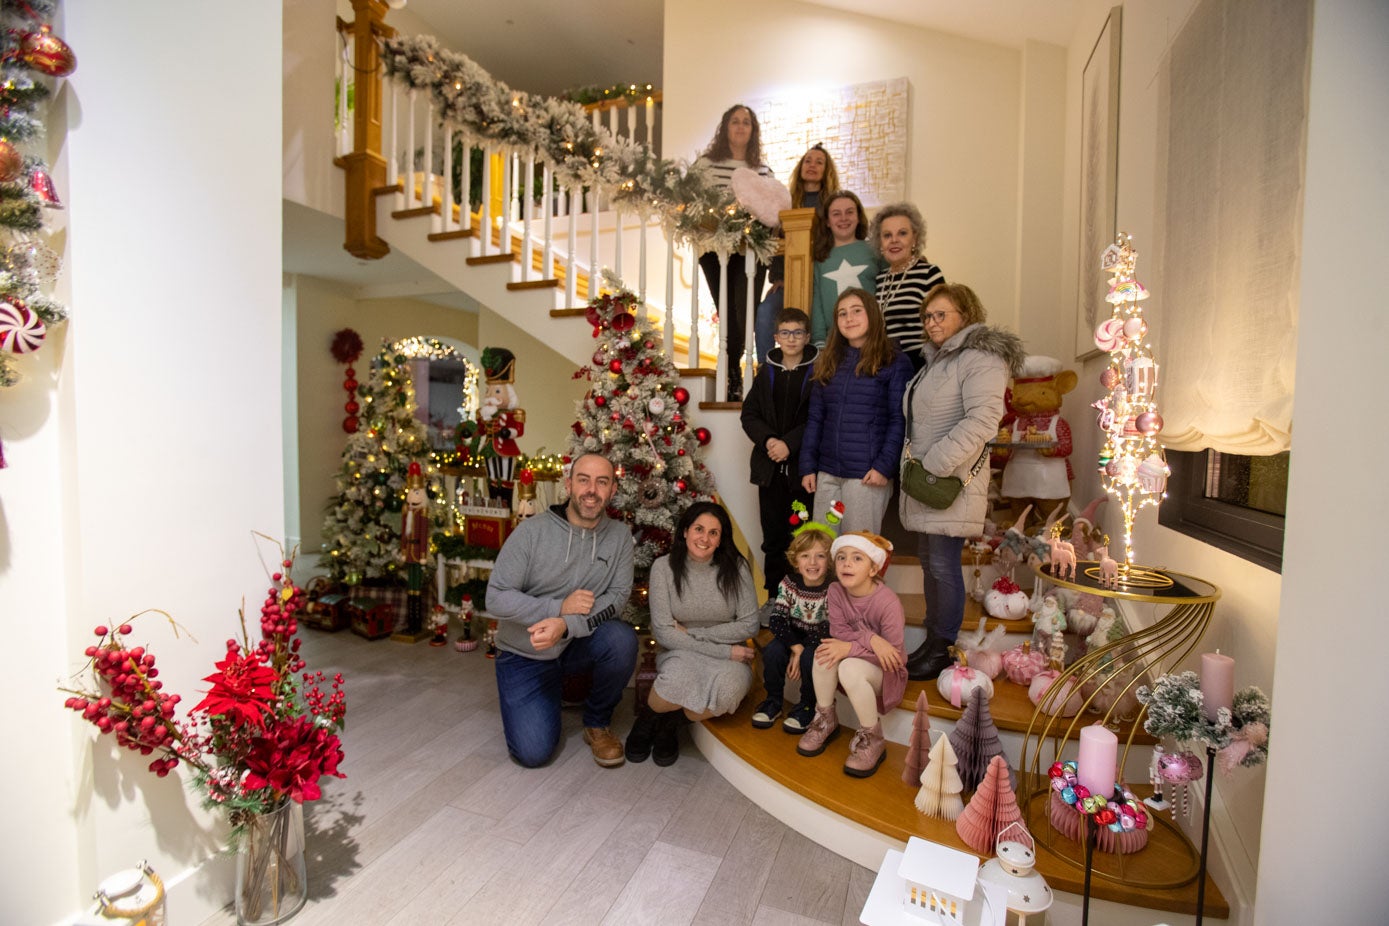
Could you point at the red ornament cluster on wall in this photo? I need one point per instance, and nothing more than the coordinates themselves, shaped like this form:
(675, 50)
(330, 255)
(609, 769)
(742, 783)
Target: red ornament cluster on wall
(346, 348)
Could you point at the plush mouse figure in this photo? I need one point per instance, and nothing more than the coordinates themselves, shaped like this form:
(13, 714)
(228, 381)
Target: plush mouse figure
(1040, 476)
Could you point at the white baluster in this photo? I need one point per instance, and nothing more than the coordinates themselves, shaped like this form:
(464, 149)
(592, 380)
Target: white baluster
(513, 207)
(650, 121)
(594, 114)
(692, 352)
(393, 163)
(571, 276)
(485, 207)
(641, 262)
(447, 192)
(595, 275)
(427, 185)
(670, 299)
(340, 73)
(562, 203)
(612, 120)
(721, 365)
(749, 356)
(465, 194)
(617, 245)
(410, 156)
(547, 266)
(527, 214)
(504, 236)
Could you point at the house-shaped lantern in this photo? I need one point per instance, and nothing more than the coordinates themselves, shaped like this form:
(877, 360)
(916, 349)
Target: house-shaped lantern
(933, 885)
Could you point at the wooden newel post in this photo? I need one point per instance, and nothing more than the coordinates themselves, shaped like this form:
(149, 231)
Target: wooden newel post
(798, 225)
(366, 168)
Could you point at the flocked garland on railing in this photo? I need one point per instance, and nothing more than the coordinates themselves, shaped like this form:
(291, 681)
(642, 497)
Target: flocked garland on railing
(559, 133)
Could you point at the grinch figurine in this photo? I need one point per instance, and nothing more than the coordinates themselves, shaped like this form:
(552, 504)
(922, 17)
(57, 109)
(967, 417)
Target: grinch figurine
(414, 545)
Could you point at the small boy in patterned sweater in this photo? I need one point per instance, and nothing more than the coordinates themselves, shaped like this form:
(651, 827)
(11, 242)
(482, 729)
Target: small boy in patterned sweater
(799, 621)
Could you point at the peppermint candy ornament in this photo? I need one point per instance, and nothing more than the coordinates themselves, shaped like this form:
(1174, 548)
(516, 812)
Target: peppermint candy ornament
(21, 330)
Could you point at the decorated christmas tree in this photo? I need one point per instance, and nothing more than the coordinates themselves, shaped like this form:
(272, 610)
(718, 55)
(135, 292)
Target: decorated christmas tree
(29, 54)
(1131, 463)
(940, 783)
(975, 740)
(993, 807)
(361, 534)
(919, 748)
(634, 414)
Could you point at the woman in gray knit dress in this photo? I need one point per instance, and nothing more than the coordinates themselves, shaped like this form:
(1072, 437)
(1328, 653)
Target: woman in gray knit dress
(703, 610)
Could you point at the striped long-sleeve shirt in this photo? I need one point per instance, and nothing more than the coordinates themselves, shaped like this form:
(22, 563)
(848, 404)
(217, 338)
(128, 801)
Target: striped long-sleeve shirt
(901, 295)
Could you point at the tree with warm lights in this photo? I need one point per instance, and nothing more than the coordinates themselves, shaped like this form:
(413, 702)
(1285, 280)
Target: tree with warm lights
(361, 534)
(1131, 463)
(635, 414)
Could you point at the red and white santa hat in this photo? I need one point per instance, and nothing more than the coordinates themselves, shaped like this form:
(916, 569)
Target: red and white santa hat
(873, 546)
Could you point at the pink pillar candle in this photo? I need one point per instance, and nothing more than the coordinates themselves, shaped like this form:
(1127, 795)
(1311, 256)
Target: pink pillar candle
(1217, 682)
(1099, 754)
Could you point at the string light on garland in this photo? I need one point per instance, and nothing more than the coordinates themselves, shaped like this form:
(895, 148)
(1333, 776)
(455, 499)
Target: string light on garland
(1131, 463)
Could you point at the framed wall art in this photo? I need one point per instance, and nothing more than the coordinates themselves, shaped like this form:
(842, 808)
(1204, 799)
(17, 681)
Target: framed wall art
(1099, 173)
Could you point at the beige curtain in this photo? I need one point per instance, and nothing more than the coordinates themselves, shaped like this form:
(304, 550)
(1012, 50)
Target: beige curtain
(1233, 140)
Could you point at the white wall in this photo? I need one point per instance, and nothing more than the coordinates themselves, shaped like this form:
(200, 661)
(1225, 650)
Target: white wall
(965, 111)
(1333, 508)
(146, 442)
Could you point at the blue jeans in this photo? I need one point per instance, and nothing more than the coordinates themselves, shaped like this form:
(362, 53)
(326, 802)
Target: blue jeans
(764, 323)
(529, 689)
(944, 584)
(776, 657)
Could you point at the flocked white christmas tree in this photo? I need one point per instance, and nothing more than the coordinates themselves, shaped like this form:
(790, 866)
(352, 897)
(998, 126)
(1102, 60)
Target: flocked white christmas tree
(635, 415)
(1131, 463)
(361, 533)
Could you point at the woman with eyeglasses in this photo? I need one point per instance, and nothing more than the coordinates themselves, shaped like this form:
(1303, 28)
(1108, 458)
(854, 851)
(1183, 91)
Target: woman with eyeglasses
(953, 406)
(898, 235)
(814, 178)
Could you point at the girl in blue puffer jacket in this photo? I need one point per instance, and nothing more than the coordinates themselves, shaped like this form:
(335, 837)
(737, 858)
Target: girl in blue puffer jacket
(853, 437)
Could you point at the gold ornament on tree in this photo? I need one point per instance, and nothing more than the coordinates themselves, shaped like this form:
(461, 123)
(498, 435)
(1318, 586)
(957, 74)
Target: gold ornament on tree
(43, 51)
(11, 161)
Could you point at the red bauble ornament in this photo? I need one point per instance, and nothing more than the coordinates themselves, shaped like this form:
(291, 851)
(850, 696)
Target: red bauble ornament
(600, 401)
(44, 51)
(11, 163)
(676, 418)
(349, 384)
(615, 366)
(352, 408)
(614, 416)
(680, 452)
(702, 435)
(649, 345)
(681, 394)
(599, 358)
(681, 485)
(350, 424)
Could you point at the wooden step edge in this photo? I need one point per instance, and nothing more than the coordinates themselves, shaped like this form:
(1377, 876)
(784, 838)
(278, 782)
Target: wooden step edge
(387, 190)
(533, 284)
(452, 235)
(883, 804)
(340, 161)
(491, 259)
(568, 313)
(704, 372)
(415, 213)
(720, 406)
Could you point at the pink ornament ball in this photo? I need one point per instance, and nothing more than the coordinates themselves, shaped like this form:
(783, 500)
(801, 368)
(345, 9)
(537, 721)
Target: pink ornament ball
(1109, 378)
(1112, 468)
(1109, 334)
(1149, 424)
(21, 329)
(1135, 328)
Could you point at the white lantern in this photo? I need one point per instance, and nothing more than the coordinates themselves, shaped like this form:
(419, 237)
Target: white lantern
(1012, 869)
(133, 896)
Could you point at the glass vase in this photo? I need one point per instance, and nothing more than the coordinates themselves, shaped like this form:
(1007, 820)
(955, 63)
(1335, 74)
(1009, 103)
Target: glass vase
(270, 882)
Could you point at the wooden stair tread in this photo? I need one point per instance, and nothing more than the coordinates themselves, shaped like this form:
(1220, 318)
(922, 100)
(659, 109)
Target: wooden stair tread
(491, 259)
(884, 803)
(533, 284)
(720, 406)
(387, 190)
(414, 213)
(452, 235)
(569, 313)
(705, 372)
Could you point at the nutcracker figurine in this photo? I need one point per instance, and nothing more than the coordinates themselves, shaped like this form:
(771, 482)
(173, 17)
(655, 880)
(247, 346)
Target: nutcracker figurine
(440, 626)
(466, 614)
(500, 421)
(414, 546)
(525, 497)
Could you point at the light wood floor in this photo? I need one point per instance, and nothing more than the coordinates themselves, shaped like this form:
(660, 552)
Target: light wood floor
(436, 825)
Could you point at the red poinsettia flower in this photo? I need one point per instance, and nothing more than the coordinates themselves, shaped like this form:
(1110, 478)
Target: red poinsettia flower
(290, 759)
(243, 690)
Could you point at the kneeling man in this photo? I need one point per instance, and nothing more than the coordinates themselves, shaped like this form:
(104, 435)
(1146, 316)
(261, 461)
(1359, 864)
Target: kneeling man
(557, 592)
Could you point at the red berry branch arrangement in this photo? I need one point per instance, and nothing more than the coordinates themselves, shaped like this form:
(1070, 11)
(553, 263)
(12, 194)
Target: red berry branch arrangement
(346, 348)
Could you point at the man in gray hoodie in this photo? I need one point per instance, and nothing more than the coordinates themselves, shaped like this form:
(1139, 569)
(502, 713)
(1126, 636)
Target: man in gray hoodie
(557, 592)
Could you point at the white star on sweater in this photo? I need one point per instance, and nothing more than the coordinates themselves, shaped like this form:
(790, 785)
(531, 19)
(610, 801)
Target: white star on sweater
(847, 275)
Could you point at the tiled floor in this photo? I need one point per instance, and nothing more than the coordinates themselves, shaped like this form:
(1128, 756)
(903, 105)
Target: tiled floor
(436, 825)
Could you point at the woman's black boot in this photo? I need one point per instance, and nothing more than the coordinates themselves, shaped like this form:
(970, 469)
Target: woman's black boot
(639, 741)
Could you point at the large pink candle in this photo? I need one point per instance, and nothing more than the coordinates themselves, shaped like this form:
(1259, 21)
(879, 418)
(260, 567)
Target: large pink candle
(1099, 754)
(1217, 682)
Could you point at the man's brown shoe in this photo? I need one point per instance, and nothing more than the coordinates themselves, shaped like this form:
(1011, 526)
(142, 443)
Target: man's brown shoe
(607, 749)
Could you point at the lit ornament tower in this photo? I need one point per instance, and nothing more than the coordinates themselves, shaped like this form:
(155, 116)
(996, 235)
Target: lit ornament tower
(1131, 463)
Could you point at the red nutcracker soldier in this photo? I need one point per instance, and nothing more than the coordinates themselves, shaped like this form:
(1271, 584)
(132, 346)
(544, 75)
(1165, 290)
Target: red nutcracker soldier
(414, 546)
(500, 421)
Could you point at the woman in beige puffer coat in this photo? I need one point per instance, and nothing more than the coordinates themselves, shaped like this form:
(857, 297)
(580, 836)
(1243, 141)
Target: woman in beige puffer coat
(953, 407)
